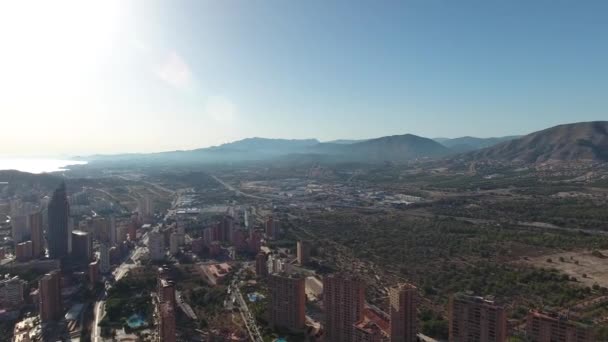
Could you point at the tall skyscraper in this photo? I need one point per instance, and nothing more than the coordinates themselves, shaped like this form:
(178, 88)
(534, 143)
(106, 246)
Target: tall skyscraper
(23, 251)
(112, 234)
(59, 211)
(273, 228)
(82, 246)
(51, 307)
(261, 264)
(549, 327)
(35, 222)
(104, 258)
(303, 252)
(156, 245)
(343, 298)
(403, 301)
(287, 301)
(19, 228)
(476, 319)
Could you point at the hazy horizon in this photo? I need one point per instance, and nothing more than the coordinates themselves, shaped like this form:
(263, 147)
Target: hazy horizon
(109, 77)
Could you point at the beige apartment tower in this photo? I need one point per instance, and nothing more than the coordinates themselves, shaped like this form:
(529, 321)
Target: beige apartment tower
(403, 302)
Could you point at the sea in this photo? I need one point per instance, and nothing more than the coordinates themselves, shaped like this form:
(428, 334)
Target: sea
(38, 165)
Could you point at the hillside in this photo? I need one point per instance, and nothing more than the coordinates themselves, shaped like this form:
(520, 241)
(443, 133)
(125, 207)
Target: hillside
(466, 144)
(584, 141)
(395, 148)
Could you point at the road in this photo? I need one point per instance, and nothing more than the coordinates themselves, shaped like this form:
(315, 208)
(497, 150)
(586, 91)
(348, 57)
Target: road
(250, 323)
(100, 305)
(236, 191)
(99, 310)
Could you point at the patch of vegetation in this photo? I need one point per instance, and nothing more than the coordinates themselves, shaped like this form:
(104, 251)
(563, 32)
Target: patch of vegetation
(127, 297)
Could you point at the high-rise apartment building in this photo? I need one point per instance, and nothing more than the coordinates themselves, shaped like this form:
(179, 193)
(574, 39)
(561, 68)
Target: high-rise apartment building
(476, 319)
(19, 228)
(82, 247)
(112, 234)
(156, 245)
(23, 251)
(303, 252)
(343, 299)
(403, 302)
(549, 327)
(51, 307)
(175, 240)
(58, 213)
(104, 258)
(261, 265)
(37, 234)
(11, 292)
(94, 272)
(287, 301)
(273, 228)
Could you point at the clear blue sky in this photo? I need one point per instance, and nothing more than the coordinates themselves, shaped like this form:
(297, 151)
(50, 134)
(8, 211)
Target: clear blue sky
(160, 75)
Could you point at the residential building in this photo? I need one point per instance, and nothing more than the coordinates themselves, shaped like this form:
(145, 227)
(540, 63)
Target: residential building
(82, 247)
(11, 292)
(104, 258)
(287, 301)
(19, 228)
(474, 318)
(550, 327)
(23, 251)
(403, 302)
(303, 252)
(51, 306)
(37, 234)
(94, 272)
(343, 299)
(156, 245)
(261, 265)
(175, 240)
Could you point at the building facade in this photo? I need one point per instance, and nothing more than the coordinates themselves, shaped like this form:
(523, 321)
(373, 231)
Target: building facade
(343, 299)
(261, 265)
(474, 318)
(58, 213)
(51, 306)
(82, 246)
(37, 234)
(547, 327)
(303, 252)
(287, 301)
(403, 303)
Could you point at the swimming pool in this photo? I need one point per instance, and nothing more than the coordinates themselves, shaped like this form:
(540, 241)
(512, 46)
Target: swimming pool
(136, 321)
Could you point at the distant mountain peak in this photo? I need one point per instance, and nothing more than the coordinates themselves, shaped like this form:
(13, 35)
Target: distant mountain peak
(569, 142)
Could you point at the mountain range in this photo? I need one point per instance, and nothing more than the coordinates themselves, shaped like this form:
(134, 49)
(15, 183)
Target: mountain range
(584, 141)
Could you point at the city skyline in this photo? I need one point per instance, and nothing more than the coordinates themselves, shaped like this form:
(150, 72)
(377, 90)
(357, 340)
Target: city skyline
(170, 76)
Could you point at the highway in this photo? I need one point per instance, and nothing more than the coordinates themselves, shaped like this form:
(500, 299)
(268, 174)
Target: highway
(236, 191)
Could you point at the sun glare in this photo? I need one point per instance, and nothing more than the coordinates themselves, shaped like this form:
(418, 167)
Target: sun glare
(53, 45)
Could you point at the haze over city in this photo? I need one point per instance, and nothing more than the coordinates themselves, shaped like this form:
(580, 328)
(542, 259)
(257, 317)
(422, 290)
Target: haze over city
(165, 75)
